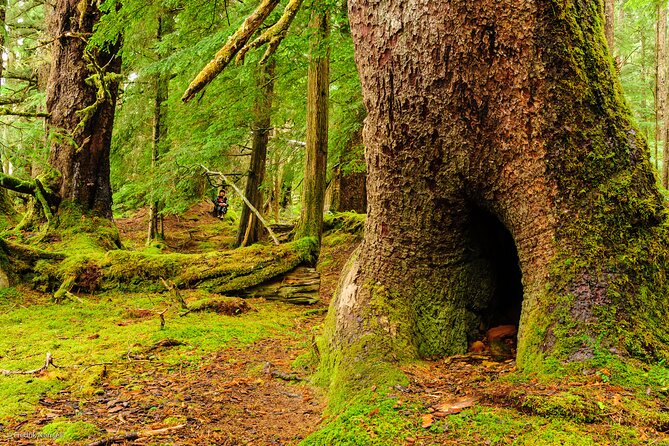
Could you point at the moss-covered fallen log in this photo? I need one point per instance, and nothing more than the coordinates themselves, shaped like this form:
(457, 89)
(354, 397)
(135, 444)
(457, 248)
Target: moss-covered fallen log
(301, 286)
(217, 272)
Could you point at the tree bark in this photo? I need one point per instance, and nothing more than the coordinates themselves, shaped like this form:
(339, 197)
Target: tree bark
(644, 83)
(159, 133)
(609, 23)
(662, 91)
(81, 112)
(318, 90)
(249, 226)
(660, 73)
(348, 189)
(499, 148)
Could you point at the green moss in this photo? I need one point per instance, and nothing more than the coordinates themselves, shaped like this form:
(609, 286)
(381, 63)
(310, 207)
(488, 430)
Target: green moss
(67, 431)
(103, 329)
(368, 419)
(345, 222)
(220, 272)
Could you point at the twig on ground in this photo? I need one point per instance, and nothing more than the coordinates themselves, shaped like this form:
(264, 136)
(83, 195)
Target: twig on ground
(120, 439)
(286, 376)
(136, 435)
(162, 318)
(48, 361)
(173, 288)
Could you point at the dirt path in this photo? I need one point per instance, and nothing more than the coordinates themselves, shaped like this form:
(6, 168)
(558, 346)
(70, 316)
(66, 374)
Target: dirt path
(232, 397)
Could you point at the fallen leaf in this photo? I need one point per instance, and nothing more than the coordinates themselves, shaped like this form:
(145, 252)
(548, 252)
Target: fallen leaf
(373, 411)
(451, 407)
(427, 420)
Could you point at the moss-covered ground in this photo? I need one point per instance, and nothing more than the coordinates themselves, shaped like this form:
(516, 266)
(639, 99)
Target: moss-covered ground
(212, 379)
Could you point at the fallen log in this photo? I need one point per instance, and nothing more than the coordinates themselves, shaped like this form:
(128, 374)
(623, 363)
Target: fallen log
(300, 287)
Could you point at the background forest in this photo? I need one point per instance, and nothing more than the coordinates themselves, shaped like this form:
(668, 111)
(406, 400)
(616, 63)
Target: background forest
(214, 130)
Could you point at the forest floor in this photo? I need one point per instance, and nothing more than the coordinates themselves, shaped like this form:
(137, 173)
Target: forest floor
(212, 379)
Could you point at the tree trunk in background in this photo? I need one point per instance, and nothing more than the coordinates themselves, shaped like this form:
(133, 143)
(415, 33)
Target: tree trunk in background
(7, 211)
(250, 227)
(80, 126)
(609, 23)
(348, 190)
(161, 83)
(276, 187)
(660, 73)
(494, 154)
(644, 81)
(318, 92)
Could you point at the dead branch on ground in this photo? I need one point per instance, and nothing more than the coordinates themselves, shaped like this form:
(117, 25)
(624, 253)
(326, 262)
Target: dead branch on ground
(48, 361)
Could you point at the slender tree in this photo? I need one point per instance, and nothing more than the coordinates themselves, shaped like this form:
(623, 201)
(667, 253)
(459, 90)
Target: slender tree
(318, 87)
(161, 81)
(7, 211)
(660, 72)
(249, 226)
(609, 22)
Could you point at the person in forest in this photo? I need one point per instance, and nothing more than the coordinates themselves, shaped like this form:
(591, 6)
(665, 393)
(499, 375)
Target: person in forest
(221, 204)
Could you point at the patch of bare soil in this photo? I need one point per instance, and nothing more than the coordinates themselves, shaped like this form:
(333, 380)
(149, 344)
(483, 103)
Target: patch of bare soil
(195, 231)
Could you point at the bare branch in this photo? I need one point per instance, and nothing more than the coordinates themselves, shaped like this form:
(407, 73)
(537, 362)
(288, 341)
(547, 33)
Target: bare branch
(248, 203)
(232, 46)
(48, 361)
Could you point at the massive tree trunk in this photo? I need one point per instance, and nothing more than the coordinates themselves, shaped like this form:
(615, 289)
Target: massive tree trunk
(318, 93)
(250, 227)
(81, 98)
(503, 169)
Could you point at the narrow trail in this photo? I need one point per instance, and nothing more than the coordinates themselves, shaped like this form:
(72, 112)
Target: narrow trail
(231, 398)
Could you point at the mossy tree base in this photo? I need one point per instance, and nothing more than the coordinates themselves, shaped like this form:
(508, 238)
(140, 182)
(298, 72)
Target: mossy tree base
(498, 115)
